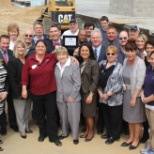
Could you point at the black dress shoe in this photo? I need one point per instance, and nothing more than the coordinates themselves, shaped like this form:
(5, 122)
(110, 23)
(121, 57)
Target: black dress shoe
(3, 130)
(105, 136)
(23, 136)
(110, 140)
(99, 132)
(57, 143)
(28, 131)
(62, 137)
(41, 138)
(125, 144)
(1, 142)
(76, 141)
(14, 127)
(132, 147)
(144, 138)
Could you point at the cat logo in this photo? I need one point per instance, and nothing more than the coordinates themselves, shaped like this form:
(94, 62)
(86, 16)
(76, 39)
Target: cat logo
(63, 18)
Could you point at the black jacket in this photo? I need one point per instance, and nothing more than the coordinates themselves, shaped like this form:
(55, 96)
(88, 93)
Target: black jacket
(14, 73)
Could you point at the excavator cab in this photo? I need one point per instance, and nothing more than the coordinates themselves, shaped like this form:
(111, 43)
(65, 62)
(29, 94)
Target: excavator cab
(58, 12)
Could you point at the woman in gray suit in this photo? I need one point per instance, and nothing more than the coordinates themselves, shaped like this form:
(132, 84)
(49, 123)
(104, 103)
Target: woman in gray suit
(68, 80)
(89, 79)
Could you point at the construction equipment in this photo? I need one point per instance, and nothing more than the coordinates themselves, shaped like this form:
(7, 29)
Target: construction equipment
(58, 12)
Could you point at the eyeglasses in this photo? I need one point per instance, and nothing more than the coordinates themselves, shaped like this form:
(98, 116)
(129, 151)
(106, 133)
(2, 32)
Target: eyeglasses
(110, 54)
(27, 35)
(122, 38)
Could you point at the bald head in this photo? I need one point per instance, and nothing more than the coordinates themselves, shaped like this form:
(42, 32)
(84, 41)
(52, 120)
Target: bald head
(28, 37)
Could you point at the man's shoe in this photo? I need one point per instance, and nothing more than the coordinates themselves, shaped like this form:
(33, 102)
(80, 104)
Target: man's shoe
(41, 138)
(14, 127)
(110, 140)
(3, 130)
(57, 143)
(76, 141)
(144, 138)
(99, 132)
(105, 136)
(62, 137)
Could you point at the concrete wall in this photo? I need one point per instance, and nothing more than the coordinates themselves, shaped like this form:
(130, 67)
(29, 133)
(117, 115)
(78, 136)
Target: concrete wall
(134, 8)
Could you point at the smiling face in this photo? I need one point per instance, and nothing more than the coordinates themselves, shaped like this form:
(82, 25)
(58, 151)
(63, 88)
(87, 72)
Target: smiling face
(73, 27)
(104, 24)
(89, 30)
(85, 53)
(123, 38)
(13, 34)
(140, 43)
(54, 33)
(111, 34)
(21, 50)
(38, 30)
(96, 39)
(62, 58)
(149, 48)
(4, 44)
(131, 54)
(28, 36)
(40, 48)
(152, 60)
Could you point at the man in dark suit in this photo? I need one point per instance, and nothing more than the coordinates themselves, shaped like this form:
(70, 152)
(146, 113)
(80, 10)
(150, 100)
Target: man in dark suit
(100, 54)
(98, 48)
(6, 54)
(54, 38)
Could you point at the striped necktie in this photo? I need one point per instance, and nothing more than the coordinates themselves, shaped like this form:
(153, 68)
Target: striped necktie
(95, 53)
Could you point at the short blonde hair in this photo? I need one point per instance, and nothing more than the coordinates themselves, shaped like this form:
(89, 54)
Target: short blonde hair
(143, 36)
(61, 50)
(12, 27)
(15, 52)
(112, 48)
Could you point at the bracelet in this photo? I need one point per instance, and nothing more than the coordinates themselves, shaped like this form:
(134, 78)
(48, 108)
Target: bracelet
(91, 93)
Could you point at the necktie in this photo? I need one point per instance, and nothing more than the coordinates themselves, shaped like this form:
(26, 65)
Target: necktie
(5, 57)
(56, 43)
(95, 53)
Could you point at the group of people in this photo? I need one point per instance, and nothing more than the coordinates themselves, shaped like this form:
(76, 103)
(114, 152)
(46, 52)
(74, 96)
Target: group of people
(107, 79)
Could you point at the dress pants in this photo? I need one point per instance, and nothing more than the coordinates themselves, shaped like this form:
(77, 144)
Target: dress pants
(113, 120)
(11, 111)
(150, 117)
(44, 107)
(100, 120)
(22, 109)
(70, 116)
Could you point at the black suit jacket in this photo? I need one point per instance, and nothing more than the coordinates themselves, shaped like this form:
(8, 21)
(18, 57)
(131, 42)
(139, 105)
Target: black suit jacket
(102, 55)
(14, 72)
(10, 55)
(50, 46)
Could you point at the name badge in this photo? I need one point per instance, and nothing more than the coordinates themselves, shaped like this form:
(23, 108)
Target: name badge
(34, 66)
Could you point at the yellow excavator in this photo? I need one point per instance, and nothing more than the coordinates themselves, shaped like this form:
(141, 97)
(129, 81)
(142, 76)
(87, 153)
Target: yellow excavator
(58, 12)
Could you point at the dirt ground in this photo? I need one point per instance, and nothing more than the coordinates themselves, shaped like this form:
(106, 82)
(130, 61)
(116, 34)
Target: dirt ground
(24, 17)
